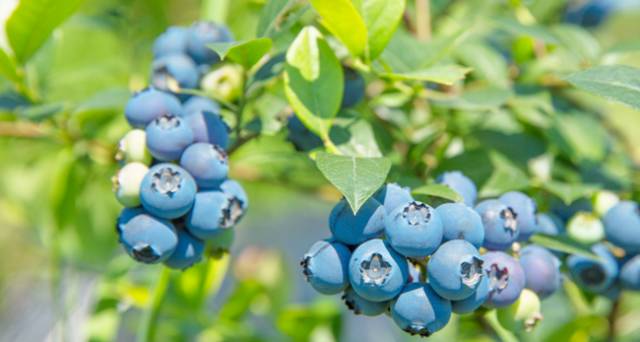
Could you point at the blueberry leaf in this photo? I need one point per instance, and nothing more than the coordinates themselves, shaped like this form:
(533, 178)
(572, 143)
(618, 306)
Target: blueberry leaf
(342, 19)
(313, 81)
(446, 74)
(615, 82)
(569, 192)
(562, 244)
(438, 190)
(32, 23)
(506, 176)
(381, 18)
(356, 178)
(271, 15)
(246, 53)
(7, 66)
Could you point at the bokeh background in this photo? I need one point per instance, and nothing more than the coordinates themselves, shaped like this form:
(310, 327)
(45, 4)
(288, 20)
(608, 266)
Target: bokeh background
(62, 274)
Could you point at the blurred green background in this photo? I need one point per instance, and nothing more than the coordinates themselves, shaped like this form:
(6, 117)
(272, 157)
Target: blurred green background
(62, 274)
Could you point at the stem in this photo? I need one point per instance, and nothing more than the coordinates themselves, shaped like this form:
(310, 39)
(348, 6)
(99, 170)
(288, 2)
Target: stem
(613, 319)
(423, 19)
(148, 329)
(490, 320)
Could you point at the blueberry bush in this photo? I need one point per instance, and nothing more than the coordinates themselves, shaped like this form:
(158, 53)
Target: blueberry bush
(456, 170)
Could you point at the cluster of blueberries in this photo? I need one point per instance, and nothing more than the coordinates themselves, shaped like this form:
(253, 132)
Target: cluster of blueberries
(173, 180)
(420, 264)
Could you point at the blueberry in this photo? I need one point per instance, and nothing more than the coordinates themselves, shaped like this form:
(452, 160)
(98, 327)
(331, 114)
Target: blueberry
(392, 195)
(594, 275)
(461, 184)
(325, 266)
(149, 104)
(133, 148)
(146, 238)
(419, 310)
(361, 306)
(506, 279)
(300, 136)
(622, 226)
(524, 314)
(473, 302)
(413, 229)
(127, 184)
(201, 35)
(174, 73)
(354, 229)
(525, 209)
(586, 228)
(206, 163)
(376, 272)
(233, 189)
(455, 270)
(168, 136)
(221, 242)
(500, 224)
(225, 82)
(197, 104)
(213, 211)
(541, 270)
(187, 253)
(630, 274)
(172, 41)
(167, 191)
(208, 127)
(550, 224)
(461, 222)
(589, 13)
(353, 88)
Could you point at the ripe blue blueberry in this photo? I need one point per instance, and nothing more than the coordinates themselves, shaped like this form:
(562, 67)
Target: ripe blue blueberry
(234, 190)
(550, 224)
(187, 253)
(149, 104)
(413, 229)
(213, 211)
(464, 186)
(167, 191)
(146, 238)
(377, 272)
(455, 270)
(622, 226)
(361, 306)
(541, 270)
(325, 266)
(200, 104)
(208, 127)
(355, 229)
(506, 279)
(206, 163)
(419, 310)
(630, 274)
(461, 222)
(174, 73)
(201, 35)
(392, 195)
(500, 224)
(473, 302)
(168, 136)
(300, 136)
(525, 209)
(594, 275)
(172, 41)
(353, 88)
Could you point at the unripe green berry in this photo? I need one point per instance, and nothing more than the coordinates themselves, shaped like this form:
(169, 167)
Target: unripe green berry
(603, 201)
(524, 314)
(133, 148)
(127, 184)
(585, 228)
(224, 83)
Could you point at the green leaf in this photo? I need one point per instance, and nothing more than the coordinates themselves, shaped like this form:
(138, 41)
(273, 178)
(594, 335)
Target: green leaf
(486, 63)
(579, 42)
(533, 31)
(8, 66)
(505, 177)
(486, 98)
(615, 82)
(313, 80)
(32, 23)
(354, 137)
(246, 53)
(570, 192)
(562, 244)
(271, 15)
(40, 112)
(580, 136)
(356, 178)
(444, 74)
(381, 18)
(342, 19)
(438, 190)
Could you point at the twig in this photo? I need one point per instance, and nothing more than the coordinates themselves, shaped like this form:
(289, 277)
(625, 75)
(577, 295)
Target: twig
(241, 141)
(423, 19)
